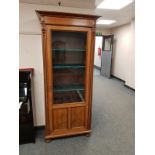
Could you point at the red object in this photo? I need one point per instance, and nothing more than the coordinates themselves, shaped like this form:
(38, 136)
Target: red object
(99, 51)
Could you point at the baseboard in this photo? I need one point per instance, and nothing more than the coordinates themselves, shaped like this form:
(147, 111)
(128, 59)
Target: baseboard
(39, 127)
(117, 78)
(123, 82)
(129, 87)
(99, 68)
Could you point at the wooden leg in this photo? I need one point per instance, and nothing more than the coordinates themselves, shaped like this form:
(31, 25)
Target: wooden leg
(88, 134)
(48, 140)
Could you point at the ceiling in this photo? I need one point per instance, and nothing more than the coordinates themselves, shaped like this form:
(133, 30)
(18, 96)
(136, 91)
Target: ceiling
(122, 16)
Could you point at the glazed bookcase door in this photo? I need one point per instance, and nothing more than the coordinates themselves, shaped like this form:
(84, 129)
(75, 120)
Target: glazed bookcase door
(68, 66)
(68, 57)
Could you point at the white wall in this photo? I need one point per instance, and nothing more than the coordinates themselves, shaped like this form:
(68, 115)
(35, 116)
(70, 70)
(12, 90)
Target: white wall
(123, 55)
(28, 20)
(30, 51)
(121, 50)
(130, 75)
(30, 55)
(104, 31)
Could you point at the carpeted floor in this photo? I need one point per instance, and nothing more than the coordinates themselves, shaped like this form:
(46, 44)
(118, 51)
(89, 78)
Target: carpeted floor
(112, 125)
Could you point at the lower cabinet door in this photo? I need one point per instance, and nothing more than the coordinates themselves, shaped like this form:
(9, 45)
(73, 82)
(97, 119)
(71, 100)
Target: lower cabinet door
(69, 119)
(60, 119)
(77, 117)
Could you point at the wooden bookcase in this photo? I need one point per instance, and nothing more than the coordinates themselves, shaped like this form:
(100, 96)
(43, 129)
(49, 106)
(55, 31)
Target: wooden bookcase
(68, 56)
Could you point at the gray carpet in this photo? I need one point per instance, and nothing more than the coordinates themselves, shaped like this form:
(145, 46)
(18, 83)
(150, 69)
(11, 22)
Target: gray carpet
(112, 125)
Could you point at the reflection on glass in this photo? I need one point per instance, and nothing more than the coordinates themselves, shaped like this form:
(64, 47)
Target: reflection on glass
(68, 57)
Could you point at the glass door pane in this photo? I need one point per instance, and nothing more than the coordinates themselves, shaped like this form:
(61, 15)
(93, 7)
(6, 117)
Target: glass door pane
(68, 58)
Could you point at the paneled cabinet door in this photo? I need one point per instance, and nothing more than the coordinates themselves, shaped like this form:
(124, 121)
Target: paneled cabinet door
(69, 118)
(78, 117)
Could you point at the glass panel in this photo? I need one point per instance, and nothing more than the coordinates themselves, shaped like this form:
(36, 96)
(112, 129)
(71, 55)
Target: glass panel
(107, 44)
(68, 57)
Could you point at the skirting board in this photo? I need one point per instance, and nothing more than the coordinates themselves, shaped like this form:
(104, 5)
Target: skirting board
(99, 68)
(117, 78)
(123, 82)
(129, 87)
(39, 127)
